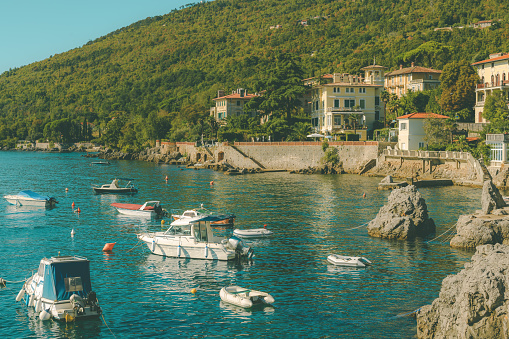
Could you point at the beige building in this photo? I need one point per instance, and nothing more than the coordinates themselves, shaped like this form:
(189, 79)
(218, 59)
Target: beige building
(414, 78)
(231, 105)
(344, 103)
(494, 75)
(411, 130)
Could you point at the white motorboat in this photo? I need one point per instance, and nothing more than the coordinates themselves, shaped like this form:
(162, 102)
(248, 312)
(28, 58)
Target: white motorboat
(183, 218)
(29, 198)
(343, 260)
(196, 240)
(150, 209)
(252, 233)
(244, 297)
(61, 288)
(116, 187)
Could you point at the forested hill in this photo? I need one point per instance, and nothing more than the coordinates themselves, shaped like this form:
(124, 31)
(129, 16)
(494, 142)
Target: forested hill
(169, 67)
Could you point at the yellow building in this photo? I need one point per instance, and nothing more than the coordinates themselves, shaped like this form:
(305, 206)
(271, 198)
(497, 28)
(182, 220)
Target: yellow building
(494, 75)
(414, 78)
(232, 104)
(344, 103)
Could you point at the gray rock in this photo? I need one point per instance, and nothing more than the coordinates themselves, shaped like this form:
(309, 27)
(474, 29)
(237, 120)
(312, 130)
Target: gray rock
(473, 303)
(475, 230)
(405, 216)
(491, 198)
(387, 180)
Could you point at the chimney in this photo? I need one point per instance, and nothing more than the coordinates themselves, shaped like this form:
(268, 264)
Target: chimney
(220, 93)
(412, 64)
(400, 66)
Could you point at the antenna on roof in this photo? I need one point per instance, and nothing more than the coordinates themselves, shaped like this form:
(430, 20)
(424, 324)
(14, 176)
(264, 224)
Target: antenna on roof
(374, 62)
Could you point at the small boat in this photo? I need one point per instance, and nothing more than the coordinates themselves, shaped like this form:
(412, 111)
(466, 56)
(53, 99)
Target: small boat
(183, 218)
(343, 260)
(61, 289)
(150, 209)
(252, 233)
(117, 188)
(244, 297)
(196, 240)
(100, 163)
(29, 198)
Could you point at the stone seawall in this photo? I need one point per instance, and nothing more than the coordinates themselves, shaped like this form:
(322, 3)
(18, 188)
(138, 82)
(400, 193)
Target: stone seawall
(282, 155)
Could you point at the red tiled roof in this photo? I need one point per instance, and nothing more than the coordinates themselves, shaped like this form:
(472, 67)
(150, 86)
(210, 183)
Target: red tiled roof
(422, 116)
(237, 96)
(414, 69)
(502, 57)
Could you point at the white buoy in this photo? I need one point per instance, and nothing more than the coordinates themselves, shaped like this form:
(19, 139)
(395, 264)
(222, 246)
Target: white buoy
(20, 295)
(72, 233)
(178, 251)
(45, 315)
(206, 251)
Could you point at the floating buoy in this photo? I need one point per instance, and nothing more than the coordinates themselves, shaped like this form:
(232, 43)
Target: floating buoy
(72, 205)
(20, 295)
(193, 291)
(66, 189)
(212, 182)
(3, 283)
(78, 210)
(364, 195)
(72, 233)
(44, 315)
(68, 318)
(109, 247)
(162, 222)
(166, 178)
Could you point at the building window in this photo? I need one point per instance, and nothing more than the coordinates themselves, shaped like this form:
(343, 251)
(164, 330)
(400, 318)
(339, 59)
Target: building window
(362, 90)
(421, 144)
(337, 90)
(377, 101)
(496, 152)
(362, 103)
(336, 103)
(402, 126)
(337, 121)
(349, 103)
(238, 102)
(377, 115)
(329, 120)
(403, 146)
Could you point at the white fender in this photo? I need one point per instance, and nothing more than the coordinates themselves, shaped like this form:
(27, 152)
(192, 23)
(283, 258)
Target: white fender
(178, 251)
(153, 245)
(45, 315)
(31, 302)
(206, 252)
(38, 305)
(21, 294)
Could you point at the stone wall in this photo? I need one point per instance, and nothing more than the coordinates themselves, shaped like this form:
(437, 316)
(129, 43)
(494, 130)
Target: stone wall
(282, 155)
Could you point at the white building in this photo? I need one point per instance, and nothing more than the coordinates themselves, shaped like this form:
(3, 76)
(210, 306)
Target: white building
(411, 130)
(499, 144)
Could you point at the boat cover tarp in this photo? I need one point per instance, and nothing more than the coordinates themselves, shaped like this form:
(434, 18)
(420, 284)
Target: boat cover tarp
(56, 272)
(207, 218)
(33, 195)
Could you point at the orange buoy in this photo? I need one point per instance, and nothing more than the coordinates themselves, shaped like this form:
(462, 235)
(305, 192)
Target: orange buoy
(212, 182)
(66, 189)
(166, 178)
(78, 210)
(193, 291)
(72, 205)
(109, 247)
(364, 195)
(265, 226)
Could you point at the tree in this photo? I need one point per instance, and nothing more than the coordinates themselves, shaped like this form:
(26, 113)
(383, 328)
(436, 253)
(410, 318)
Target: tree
(385, 96)
(438, 132)
(458, 82)
(283, 87)
(495, 107)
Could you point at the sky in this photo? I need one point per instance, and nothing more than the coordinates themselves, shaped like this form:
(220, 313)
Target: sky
(33, 30)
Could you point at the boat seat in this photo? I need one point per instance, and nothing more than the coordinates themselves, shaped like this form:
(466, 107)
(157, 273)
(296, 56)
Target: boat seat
(239, 292)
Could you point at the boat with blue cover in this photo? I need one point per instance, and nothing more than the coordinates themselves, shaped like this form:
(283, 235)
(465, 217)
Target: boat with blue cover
(61, 288)
(29, 198)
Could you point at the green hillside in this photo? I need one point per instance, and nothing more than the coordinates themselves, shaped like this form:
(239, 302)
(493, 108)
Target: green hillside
(157, 76)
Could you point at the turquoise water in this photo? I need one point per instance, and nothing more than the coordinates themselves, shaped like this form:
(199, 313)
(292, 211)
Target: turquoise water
(144, 295)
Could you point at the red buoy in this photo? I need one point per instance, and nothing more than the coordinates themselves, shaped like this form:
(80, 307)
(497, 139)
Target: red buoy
(78, 210)
(109, 247)
(72, 205)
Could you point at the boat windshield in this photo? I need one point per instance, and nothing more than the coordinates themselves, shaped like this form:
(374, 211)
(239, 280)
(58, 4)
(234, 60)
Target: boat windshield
(179, 230)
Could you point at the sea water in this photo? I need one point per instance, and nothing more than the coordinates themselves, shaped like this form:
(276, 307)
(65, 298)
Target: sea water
(144, 295)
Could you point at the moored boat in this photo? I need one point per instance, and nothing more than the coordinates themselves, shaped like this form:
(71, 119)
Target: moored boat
(116, 187)
(343, 260)
(196, 240)
(183, 218)
(150, 209)
(61, 288)
(244, 297)
(29, 198)
(252, 233)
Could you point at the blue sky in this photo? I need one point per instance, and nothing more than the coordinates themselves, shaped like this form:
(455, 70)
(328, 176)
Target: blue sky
(33, 30)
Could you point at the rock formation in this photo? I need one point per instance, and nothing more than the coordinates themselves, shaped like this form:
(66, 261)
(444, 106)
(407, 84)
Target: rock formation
(473, 303)
(387, 180)
(490, 225)
(405, 216)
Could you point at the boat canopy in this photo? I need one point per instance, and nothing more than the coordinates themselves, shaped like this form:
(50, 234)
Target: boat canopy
(33, 195)
(207, 218)
(65, 276)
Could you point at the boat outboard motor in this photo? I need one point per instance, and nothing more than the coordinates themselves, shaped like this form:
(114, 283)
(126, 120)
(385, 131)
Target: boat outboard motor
(78, 304)
(92, 298)
(241, 250)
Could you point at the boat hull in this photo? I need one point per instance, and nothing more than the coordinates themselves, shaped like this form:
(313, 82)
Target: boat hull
(115, 191)
(243, 297)
(137, 213)
(14, 200)
(252, 233)
(348, 261)
(184, 247)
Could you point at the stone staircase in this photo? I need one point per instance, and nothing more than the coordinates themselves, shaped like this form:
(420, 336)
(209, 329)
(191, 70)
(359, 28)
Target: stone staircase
(247, 156)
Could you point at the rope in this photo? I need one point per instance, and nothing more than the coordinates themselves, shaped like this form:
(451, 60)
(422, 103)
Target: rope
(102, 315)
(358, 226)
(441, 234)
(13, 282)
(137, 245)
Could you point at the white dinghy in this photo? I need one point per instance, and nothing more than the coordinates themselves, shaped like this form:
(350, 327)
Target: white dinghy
(61, 289)
(244, 297)
(252, 233)
(343, 260)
